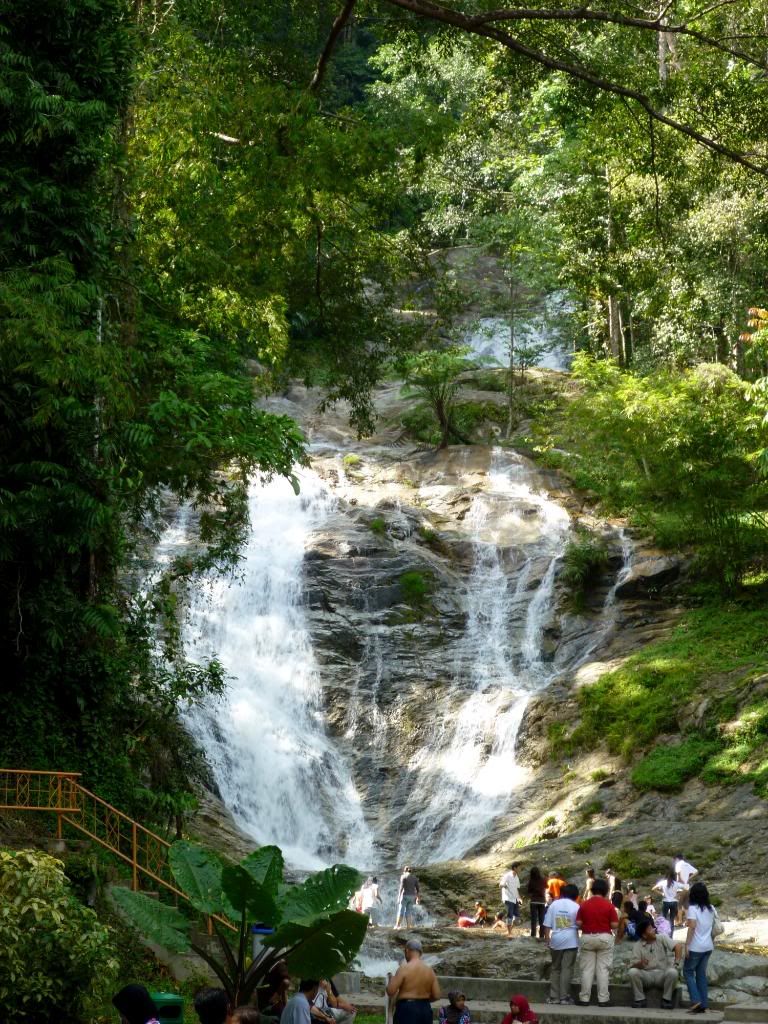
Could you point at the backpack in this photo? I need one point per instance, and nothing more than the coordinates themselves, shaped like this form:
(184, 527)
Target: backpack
(662, 926)
(717, 925)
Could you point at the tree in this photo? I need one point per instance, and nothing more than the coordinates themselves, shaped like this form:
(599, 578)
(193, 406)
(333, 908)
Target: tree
(313, 933)
(55, 957)
(433, 376)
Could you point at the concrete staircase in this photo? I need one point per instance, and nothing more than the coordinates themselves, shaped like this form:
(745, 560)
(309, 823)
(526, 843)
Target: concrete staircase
(488, 1001)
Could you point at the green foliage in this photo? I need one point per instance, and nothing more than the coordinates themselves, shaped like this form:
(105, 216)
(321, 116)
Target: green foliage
(351, 459)
(742, 752)
(378, 526)
(433, 376)
(583, 845)
(600, 775)
(314, 933)
(584, 561)
(631, 706)
(668, 767)
(55, 957)
(630, 864)
(674, 451)
(416, 588)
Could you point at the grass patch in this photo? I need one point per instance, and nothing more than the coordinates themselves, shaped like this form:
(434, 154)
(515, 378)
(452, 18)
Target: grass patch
(630, 706)
(743, 754)
(600, 775)
(630, 864)
(667, 768)
(378, 526)
(351, 460)
(583, 845)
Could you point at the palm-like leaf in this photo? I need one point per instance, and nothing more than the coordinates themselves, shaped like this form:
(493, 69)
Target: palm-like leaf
(265, 866)
(199, 872)
(246, 895)
(321, 894)
(157, 921)
(321, 949)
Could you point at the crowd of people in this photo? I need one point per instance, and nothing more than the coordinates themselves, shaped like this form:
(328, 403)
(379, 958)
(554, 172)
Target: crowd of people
(316, 1001)
(580, 924)
(588, 921)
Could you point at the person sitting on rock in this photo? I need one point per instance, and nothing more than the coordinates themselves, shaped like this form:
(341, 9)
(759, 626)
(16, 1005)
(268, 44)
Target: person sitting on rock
(481, 914)
(656, 965)
(457, 1011)
(520, 1012)
(499, 922)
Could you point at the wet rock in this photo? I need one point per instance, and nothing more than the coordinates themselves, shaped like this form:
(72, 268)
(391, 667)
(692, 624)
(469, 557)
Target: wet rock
(648, 576)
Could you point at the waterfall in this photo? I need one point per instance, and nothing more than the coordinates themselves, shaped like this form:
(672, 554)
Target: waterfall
(465, 776)
(276, 768)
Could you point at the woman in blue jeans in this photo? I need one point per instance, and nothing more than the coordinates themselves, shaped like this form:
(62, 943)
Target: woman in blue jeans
(698, 946)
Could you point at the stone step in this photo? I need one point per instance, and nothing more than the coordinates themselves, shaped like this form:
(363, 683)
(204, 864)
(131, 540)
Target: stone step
(753, 1013)
(491, 1012)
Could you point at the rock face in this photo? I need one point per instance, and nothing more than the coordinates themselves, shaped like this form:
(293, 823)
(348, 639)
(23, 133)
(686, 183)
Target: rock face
(431, 610)
(648, 576)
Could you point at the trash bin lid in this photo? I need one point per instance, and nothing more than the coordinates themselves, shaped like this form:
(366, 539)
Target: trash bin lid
(170, 1006)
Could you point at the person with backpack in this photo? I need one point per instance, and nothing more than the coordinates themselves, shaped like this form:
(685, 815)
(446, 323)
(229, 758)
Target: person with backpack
(699, 943)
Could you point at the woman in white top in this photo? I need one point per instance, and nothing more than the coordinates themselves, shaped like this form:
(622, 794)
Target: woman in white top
(669, 888)
(698, 945)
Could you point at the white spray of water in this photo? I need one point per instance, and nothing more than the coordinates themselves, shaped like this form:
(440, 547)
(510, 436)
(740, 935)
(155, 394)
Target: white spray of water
(465, 777)
(281, 775)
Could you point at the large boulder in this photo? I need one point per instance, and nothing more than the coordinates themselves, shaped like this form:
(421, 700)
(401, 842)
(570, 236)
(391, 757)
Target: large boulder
(647, 576)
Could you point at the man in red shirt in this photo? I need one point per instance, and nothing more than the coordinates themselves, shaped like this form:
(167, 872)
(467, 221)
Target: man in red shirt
(598, 921)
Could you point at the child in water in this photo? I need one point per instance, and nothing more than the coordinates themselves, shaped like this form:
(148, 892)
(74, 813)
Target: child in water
(520, 1012)
(456, 1012)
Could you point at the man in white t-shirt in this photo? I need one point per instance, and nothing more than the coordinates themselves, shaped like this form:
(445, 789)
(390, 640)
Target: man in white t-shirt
(562, 935)
(510, 894)
(685, 873)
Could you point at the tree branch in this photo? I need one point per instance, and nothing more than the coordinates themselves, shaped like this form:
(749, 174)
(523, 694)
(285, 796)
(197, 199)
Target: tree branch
(427, 9)
(624, 20)
(336, 29)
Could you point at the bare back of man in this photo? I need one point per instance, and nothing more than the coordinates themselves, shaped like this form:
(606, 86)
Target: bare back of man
(415, 980)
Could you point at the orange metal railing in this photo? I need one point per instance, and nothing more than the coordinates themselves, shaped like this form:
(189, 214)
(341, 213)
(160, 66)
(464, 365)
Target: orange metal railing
(60, 793)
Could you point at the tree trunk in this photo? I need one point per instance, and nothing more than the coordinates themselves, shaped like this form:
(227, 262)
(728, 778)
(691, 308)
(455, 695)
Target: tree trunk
(511, 367)
(615, 329)
(445, 423)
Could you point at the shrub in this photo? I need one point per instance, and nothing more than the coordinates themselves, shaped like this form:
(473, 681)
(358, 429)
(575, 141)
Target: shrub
(415, 588)
(600, 775)
(667, 768)
(630, 864)
(54, 955)
(549, 821)
(583, 845)
(584, 562)
(378, 526)
(352, 459)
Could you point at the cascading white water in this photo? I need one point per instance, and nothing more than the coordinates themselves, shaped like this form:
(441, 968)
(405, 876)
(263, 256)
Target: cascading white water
(464, 778)
(278, 771)
(535, 334)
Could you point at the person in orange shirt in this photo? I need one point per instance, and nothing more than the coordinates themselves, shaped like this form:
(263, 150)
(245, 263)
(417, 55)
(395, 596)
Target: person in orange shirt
(554, 884)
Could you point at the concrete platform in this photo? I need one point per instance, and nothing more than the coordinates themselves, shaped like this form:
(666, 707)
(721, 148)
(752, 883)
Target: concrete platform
(492, 1012)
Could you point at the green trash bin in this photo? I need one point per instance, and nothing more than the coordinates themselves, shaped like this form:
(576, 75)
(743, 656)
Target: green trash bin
(170, 1007)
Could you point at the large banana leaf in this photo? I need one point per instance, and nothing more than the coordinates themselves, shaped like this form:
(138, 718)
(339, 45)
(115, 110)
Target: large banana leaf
(319, 895)
(321, 949)
(198, 873)
(155, 920)
(265, 866)
(245, 894)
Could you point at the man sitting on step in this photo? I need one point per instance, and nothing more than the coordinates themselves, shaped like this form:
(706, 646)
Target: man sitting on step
(656, 965)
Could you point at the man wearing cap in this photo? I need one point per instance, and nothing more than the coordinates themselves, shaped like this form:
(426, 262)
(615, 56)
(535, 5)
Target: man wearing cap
(414, 987)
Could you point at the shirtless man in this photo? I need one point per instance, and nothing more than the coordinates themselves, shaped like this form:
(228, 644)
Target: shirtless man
(414, 986)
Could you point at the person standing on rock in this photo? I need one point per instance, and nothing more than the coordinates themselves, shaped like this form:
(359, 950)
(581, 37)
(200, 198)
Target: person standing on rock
(562, 934)
(408, 896)
(684, 872)
(598, 921)
(537, 900)
(699, 945)
(370, 897)
(414, 987)
(510, 895)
